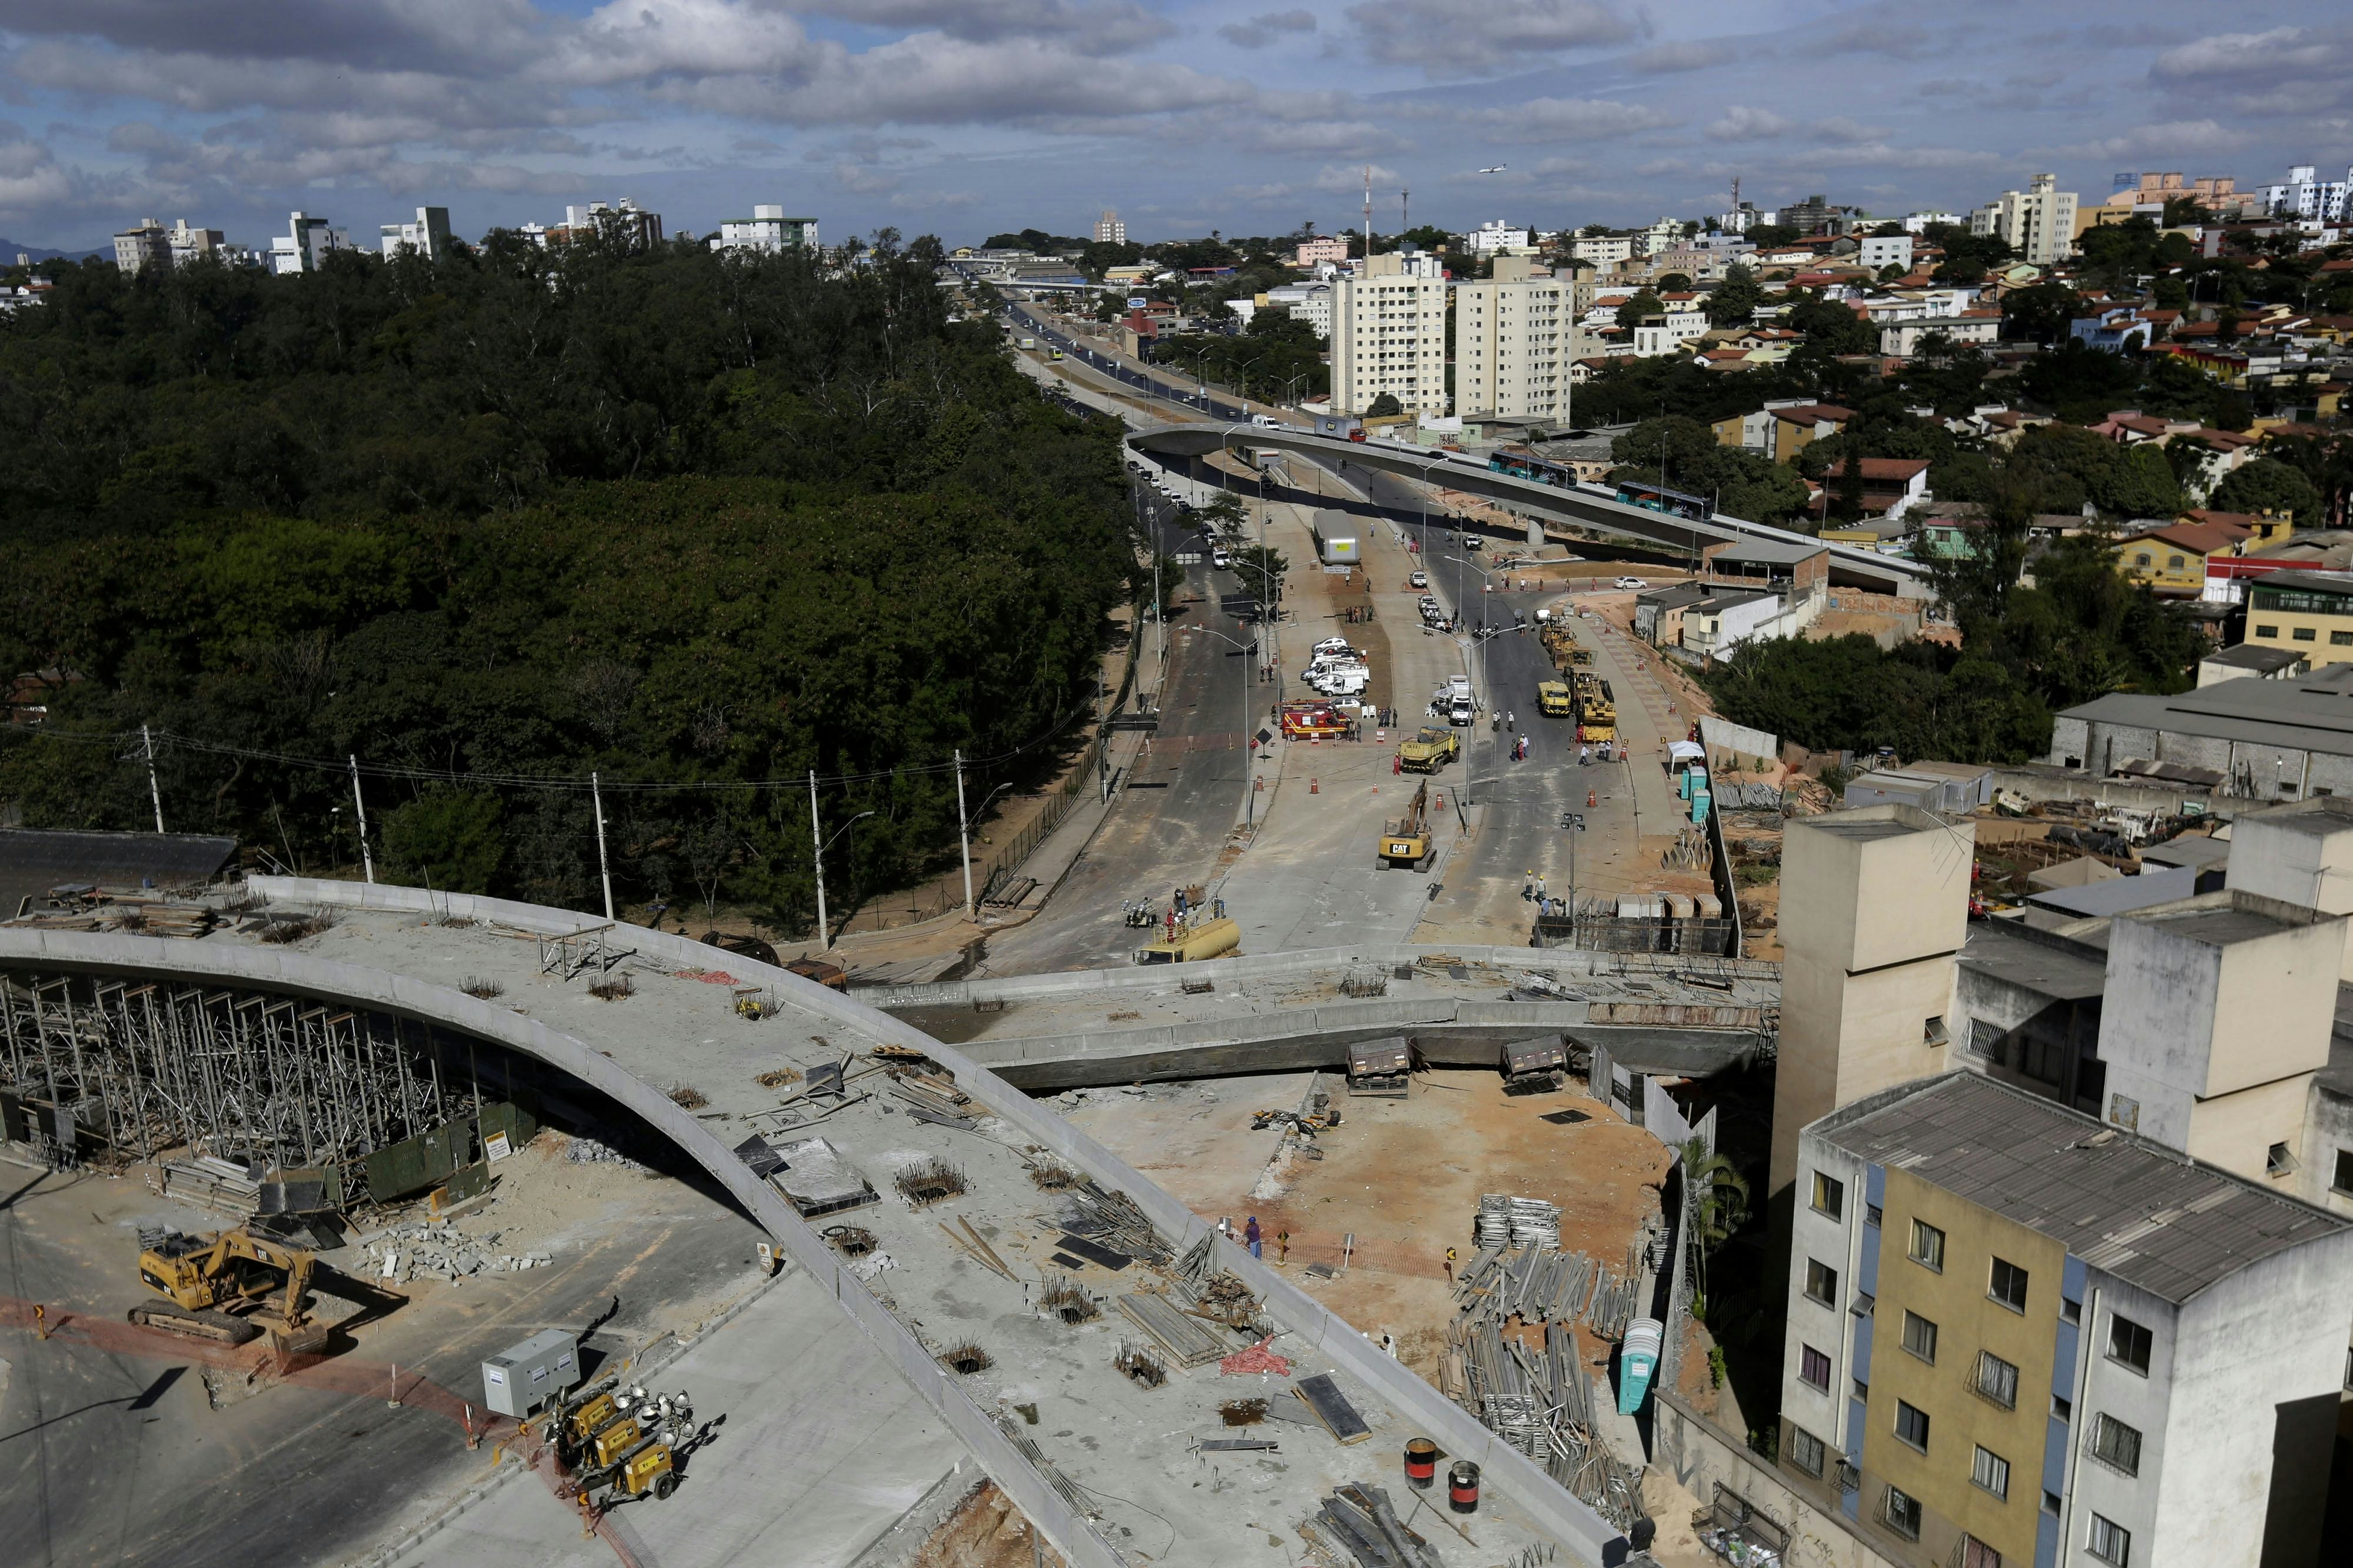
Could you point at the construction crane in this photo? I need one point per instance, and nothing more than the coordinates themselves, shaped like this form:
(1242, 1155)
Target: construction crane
(1407, 841)
(218, 1289)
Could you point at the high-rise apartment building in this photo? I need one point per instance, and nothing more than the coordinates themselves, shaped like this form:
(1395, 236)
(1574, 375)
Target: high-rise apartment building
(306, 245)
(1515, 335)
(428, 234)
(1389, 335)
(2038, 222)
(145, 242)
(188, 244)
(1109, 229)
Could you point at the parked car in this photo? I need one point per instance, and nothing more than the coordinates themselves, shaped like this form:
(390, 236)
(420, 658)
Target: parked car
(1418, 580)
(1635, 583)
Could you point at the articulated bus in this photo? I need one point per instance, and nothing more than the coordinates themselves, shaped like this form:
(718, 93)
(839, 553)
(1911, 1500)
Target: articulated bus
(1526, 465)
(1655, 497)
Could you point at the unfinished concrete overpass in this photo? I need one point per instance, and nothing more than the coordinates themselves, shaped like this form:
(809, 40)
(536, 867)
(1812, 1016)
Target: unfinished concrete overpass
(1583, 507)
(517, 977)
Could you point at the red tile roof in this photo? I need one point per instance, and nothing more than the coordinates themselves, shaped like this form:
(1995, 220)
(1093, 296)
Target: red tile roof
(1887, 470)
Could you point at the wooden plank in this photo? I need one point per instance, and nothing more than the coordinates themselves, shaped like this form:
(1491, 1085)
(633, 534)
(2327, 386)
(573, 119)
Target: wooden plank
(1332, 1407)
(1186, 1341)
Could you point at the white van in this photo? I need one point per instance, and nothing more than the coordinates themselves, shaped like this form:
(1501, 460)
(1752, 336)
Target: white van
(1266, 421)
(1221, 557)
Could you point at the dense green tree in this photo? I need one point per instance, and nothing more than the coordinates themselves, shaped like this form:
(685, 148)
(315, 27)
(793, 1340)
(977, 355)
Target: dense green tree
(1685, 455)
(1734, 299)
(2041, 311)
(447, 840)
(1643, 303)
(2268, 484)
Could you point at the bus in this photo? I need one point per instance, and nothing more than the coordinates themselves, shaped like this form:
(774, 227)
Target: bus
(1521, 464)
(1657, 497)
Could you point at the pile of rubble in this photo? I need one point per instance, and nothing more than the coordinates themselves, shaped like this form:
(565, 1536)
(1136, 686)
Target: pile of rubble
(438, 1249)
(588, 1151)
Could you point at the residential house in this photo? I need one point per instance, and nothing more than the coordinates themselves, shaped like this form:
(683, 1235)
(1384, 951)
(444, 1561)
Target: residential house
(1891, 486)
(2306, 612)
(1714, 624)
(1322, 248)
(1604, 250)
(2172, 560)
(1668, 331)
(1781, 429)
(2264, 529)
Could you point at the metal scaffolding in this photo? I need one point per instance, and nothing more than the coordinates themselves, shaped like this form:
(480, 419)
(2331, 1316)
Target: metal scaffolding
(139, 1067)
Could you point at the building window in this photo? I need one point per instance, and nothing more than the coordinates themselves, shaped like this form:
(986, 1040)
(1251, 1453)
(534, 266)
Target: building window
(2267, 632)
(2173, 563)
(1996, 1380)
(2141, 559)
(2051, 1504)
(1806, 1452)
(2305, 634)
(1822, 1283)
(1927, 1246)
(1976, 1554)
(1990, 1471)
(2070, 1311)
(2129, 1343)
(2061, 1408)
(1920, 1337)
(2340, 640)
(2008, 1285)
(2280, 1161)
(1830, 1195)
(2110, 1543)
(1903, 1514)
(2344, 1178)
(2115, 1444)
(1985, 1040)
(1912, 1425)
(1814, 1367)
(1873, 1215)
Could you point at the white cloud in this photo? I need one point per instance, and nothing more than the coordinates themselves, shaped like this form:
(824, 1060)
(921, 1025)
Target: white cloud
(1444, 39)
(1551, 119)
(1689, 56)
(2279, 51)
(1266, 28)
(1342, 177)
(1740, 123)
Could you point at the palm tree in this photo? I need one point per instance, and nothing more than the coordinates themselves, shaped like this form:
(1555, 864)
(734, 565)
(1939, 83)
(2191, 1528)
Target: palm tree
(1716, 1204)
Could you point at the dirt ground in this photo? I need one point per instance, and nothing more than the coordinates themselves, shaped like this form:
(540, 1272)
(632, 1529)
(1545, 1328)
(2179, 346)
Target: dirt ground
(1402, 1178)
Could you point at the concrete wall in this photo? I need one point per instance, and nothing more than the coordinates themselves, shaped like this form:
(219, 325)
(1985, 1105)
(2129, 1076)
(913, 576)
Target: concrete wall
(1702, 1459)
(2328, 1131)
(1552, 1508)
(1724, 741)
(1849, 1245)
(2299, 855)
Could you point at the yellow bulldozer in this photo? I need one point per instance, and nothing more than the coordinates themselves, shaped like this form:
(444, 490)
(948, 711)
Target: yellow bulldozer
(1407, 841)
(220, 1287)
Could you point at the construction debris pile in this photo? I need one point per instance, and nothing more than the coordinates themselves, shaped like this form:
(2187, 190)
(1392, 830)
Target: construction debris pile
(132, 914)
(1113, 1220)
(583, 1151)
(1541, 1402)
(1503, 1221)
(1537, 1285)
(1363, 1525)
(436, 1249)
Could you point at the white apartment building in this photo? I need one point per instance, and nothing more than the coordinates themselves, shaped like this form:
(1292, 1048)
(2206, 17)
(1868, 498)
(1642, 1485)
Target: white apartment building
(1664, 235)
(1604, 250)
(2038, 222)
(305, 246)
(1109, 229)
(1921, 222)
(427, 235)
(1879, 250)
(1496, 236)
(1308, 302)
(1389, 335)
(766, 229)
(1516, 336)
(2303, 196)
(188, 244)
(145, 243)
(1668, 333)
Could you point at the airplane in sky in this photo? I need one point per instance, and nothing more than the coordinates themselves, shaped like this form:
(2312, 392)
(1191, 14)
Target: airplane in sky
(1496, 170)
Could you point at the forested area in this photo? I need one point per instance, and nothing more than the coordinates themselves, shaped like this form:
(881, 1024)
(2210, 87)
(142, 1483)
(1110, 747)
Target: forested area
(498, 521)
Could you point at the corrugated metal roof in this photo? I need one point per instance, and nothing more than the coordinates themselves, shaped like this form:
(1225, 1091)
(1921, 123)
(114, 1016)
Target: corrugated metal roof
(2144, 1213)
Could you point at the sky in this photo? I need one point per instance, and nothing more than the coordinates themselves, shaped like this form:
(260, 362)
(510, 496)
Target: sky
(963, 118)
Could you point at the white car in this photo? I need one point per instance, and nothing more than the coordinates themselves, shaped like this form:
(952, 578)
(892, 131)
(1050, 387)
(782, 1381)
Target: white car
(1221, 557)
(1459, 711)
(1419, 580)
(1635, 583)
(1334, 645)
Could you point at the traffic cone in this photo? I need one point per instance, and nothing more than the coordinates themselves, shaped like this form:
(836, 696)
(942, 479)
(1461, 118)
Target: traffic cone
(1591, 799)
(1312, 788)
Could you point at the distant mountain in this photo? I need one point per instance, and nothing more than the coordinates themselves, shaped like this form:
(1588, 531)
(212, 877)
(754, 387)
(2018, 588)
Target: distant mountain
(9, 249)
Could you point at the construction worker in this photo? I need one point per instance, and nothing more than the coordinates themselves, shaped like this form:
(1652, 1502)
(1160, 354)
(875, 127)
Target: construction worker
(1584, 755)
(1283, 1246)
(1251, 1237)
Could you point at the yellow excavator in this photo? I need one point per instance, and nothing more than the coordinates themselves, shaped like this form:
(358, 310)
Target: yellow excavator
(219, 1288)
(1407, 841)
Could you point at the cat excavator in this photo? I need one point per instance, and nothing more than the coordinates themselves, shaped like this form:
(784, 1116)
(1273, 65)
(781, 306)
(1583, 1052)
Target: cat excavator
(226, 1288)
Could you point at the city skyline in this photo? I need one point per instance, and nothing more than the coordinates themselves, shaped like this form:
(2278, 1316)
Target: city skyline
(968, 119)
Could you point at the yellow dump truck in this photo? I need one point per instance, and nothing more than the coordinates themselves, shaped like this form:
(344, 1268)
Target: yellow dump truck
(1431, 748)
(1555, 700)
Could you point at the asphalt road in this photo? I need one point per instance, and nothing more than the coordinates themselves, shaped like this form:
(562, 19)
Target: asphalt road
(1024, 322)
(1180, 800)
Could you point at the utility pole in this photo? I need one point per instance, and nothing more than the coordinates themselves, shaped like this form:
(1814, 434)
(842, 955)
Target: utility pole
(1368, 220)
(367, 861)
(1405, 212)
(153, 793)
(604, 871)
(824, 939)
(963, 835)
